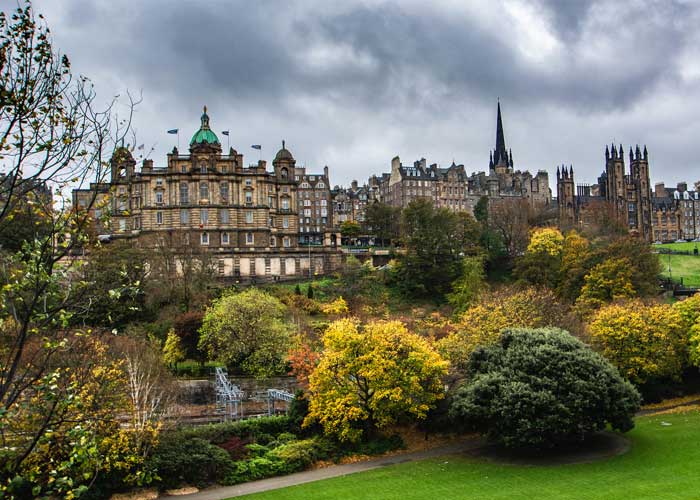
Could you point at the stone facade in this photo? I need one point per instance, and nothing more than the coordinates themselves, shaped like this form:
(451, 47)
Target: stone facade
(452, 188)
(624, 197)
(247, 218)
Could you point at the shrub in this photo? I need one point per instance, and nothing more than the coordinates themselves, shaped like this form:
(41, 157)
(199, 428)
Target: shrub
(310, 292)
(236, 447)
(645, 342)
(190, 461)
(250, 428)
(541, 388)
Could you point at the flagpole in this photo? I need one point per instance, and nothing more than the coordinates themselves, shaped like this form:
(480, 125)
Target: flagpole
(178, 139)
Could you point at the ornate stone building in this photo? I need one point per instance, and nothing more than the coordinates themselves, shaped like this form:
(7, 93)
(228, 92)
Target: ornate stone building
(247, 218)
(452, 188)
(624, 197)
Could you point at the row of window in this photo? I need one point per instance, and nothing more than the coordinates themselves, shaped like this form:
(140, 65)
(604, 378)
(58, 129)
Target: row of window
(224, 217)
(249, 239)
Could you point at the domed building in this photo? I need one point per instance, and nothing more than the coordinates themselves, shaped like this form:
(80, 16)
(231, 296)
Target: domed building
(247, 219)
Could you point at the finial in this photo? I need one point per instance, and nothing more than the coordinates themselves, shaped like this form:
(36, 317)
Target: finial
(283, 147)
(205, 109)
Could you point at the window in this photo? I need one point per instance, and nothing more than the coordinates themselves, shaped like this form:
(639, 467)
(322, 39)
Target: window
(98, 214)
(184, 216)
(223, 216)
(203, 191)
(203, 216)
(203, 168)
(159, 217)
(286, 242)
(159, 197)
(325, 202)
(305, 185)
(307, 203)
(159, 181)
(184, 193)
(223, 188)
(248, 182)
(224, 239)
(183, 169)
(248, 197)
(273, 241)
(249, 238)
(307, 212)
(249, 217)
(285, 222)
(204, 238)
(320, 185)
(122, 224)
(285, 203)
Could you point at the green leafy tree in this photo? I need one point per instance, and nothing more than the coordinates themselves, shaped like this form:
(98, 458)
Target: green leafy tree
(372, 377)
(350, 229)
(248, 331)
(435, 241)
(542, 388)
(383, 221)
(467, 288)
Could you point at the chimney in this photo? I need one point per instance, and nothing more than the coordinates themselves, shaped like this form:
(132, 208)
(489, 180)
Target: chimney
(147, 166)
(354, 184)
(325, 171)
(682, 187)
(660, 190)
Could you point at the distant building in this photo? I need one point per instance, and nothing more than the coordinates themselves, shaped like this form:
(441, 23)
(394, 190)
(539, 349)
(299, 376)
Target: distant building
(623, 197)
(249, 219)
(452, 188)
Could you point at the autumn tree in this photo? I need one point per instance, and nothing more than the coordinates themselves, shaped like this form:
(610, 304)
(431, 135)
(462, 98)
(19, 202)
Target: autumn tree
(247, 331)
(482, 323)
(689, 310)
(541, 263)
(575, 264)
(645, 342)
(173, 351)
(370, 377)
(541, 388)
(607, 281)
(52, 131)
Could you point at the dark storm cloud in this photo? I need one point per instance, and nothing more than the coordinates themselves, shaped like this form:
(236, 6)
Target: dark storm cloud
(362, 81)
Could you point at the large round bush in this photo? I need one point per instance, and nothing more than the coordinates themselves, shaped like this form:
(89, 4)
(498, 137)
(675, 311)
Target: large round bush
(540, 388)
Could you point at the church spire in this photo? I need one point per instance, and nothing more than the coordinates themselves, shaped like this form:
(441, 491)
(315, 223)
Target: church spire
(500, 153)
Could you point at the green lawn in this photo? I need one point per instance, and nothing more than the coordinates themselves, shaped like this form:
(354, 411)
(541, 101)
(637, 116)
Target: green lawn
(662, 464)
(682, 266)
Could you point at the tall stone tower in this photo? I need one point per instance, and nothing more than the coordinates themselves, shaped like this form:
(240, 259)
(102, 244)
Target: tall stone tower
(500, 161)
(640, 182)
(566, 197)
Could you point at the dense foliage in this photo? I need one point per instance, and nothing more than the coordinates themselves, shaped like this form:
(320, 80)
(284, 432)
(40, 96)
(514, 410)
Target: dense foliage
(542, 388)
(371, 377)
(247, 331)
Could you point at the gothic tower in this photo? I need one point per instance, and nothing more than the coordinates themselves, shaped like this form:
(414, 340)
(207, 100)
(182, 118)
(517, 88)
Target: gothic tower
(566, 197)
(615, 173)
(639, 169)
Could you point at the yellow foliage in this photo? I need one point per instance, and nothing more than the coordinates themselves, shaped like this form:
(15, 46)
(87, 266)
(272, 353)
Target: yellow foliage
(483, 323)
(336, 308)
(644, 341)
(369, 377)
(610, 280)
(547, 240)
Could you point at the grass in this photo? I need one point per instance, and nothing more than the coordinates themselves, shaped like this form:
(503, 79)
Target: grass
(682, 266)
(662, 464)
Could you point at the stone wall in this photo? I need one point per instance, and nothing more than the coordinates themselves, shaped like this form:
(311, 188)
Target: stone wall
(201, 391)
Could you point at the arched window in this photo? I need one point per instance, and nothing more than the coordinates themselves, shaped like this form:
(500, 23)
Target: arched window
(203, 190)
(284, 173)
(203, 167)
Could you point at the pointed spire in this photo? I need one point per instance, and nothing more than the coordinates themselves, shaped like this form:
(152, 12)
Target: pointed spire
(638, 153)
(510, 154)
(571, 171)
(607, 152)
(614, 151)
(500, 152)
(622, 153)
(646, 155)
(558, 173)
(631, 155)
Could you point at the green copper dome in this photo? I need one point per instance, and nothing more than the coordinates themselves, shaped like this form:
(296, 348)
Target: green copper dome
(204, 135)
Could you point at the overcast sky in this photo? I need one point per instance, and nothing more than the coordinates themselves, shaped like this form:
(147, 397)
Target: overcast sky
(351, 84)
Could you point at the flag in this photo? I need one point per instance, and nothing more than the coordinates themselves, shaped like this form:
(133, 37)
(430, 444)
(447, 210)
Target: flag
(256, 146)
(141, 146)
(225, 132)
(173, 131)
